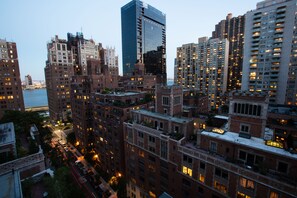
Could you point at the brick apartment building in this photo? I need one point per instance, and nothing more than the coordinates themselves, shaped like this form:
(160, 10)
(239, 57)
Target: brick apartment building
(138, 80)
(110, 110)
(11, 94)
(164, 154)
(97, 79)
(194, 103)
(283, 120)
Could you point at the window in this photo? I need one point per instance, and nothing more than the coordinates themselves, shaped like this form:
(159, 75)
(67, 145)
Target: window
(161, 125)
(244, 128)
(141, 153)
(187, 171)
(245, 183)
(250, 159)
(140, 134)
(221, 173)
(201, 178)
(152, 149)
(213, 146)
(165, 111)
(242, 195)
(187, 159)
(202, 165)
(152, 139)
(176, 129)
(220, 187)
(165, 100)
(164, 149)
(282, 167)
(273, 195)
(151, 158)
(247, 109)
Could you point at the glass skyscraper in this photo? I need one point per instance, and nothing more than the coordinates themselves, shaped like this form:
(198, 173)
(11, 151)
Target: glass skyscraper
(144, 39)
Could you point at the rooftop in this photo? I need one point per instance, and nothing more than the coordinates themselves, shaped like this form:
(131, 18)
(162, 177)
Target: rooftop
(255, 143)
(221, 117)
(7, 135)
(120, 94)
(10, 185)
(180, 120)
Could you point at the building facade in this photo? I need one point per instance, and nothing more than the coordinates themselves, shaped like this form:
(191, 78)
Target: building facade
(58, 71)
(138, 80)
(232, 28)
(11, 94)
(185, 66)
(97, 80)
(69, 58)
(110, 111)
(269, 51)
(111, 60)
(233, 161)
(144, 39)
(212, 68)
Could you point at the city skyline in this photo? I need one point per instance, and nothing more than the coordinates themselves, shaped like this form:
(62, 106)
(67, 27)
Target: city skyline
(36, 23)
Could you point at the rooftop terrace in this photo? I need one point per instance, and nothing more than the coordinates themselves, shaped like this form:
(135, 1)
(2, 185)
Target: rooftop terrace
(180, 120)
(255, 143)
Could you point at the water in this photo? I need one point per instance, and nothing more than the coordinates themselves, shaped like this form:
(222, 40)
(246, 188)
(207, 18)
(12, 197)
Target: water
(170, 82)
(38, 97)
(35, 98)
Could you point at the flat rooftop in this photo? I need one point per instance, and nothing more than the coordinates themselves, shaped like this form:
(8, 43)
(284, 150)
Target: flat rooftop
(255, 143)
(164, 117)
(120, 94)
(10, 185)
(221, 117)
(7, 135)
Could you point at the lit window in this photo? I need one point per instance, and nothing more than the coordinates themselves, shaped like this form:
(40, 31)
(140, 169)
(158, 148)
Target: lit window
(220, 187)
(246, 183)
(273, 195)
(187, 171)
(242, 195)
(201, 178)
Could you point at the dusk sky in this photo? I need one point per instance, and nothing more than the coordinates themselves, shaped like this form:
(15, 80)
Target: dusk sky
(32, 24)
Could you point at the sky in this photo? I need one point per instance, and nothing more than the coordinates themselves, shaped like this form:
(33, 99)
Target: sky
(33, 23)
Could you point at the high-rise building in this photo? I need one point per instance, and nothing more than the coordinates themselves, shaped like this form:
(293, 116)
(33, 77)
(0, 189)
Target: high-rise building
(11, 94)
(232, 28)
(97, 79)
(68, 58)
(270, 62)
(28, 80)
(204, 67)
(185, 66)
(59, 69)
(111, 60)
(144, 39)
(83, 50)
(211, 70)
